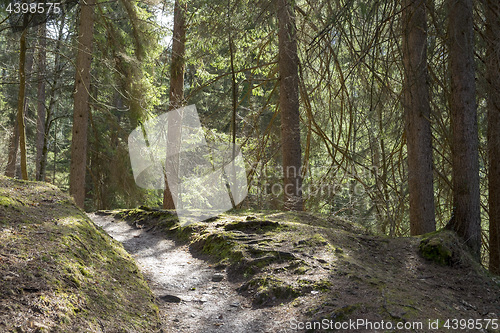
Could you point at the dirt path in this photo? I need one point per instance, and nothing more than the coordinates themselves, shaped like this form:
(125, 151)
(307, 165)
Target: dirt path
(192, 295)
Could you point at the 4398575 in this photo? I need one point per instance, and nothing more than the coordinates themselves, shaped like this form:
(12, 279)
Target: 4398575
(34, 8)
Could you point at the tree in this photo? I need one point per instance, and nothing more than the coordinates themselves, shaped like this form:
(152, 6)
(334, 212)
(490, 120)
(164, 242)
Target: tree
(176, 101)
(81, 103)
(10, 169)
(21, 99)
(46, 116)
(41, 112)
(493, 100)
(289, 106)
(466, 220)
(417, 118)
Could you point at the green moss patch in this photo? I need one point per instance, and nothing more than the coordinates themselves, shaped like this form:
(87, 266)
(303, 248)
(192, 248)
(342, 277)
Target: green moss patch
(61, 273)
(445, 248)
(269, 290)
(329, 268)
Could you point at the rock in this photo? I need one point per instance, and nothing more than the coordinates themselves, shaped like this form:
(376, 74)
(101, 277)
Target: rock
(170, 299)
(235, 305)
(217, 277)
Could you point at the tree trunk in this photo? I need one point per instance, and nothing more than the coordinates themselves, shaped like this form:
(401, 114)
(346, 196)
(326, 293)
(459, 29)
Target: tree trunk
(417, 118)
(81, 103)
(10, 170)
(21, 104)
(41, 113)
(54, 87)
(493, 96)
(170, 194)
(466, 220)
(289, 106)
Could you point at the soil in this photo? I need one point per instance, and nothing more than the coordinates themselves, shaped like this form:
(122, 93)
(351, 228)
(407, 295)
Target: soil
(59, 273)
(286, 272)
(243, 271)
(193, 295)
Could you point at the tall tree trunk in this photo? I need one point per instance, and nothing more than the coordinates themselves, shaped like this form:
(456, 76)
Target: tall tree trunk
(10, 170)
(21, 102)
(417, 118)
(171, 192)
(466, 220)
(54, 87)
(81, 103)
(41, 113)
(289, 106)
(493, 81)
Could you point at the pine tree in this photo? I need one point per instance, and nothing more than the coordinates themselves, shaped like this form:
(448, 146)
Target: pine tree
(289, 106)
(81, 103)
(417, 118)
(176, 101)
(466, 220)
(493, 86)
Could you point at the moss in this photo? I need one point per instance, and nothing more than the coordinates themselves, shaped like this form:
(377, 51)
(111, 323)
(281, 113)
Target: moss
(269, 290)
(301, 270)
(441, 247)
(76, 278)
(8, 202)
(308, 285)
(219, 246)
(256, 226)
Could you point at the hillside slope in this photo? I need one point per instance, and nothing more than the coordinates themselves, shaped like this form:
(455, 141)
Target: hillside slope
(326, 272)
(59, 273)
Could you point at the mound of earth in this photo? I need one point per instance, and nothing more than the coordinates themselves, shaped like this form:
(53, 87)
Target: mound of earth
(321, 274)
(59, 273)
(270, 271)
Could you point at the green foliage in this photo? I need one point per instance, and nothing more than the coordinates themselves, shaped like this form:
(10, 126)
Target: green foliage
(353, 143)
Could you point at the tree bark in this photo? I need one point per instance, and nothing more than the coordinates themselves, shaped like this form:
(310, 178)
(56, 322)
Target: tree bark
(289, 106)
(21, 104)
(81, 103)
(466, 220)
(493, 100)
(41, 112)
(417, 118)
(171, 192)
(10, 170)
(49, 117)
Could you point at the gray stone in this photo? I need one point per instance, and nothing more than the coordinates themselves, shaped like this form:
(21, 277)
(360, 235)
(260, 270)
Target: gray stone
(217, 277)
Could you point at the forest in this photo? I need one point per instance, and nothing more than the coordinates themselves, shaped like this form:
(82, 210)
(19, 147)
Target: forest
(385, 113)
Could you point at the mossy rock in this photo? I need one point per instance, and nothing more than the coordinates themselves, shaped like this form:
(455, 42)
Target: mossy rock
(445, 248)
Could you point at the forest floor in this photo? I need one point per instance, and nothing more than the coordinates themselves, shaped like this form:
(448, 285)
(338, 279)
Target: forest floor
(295, 272)
(60, 273)
(193, 295)
(243, 271)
